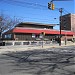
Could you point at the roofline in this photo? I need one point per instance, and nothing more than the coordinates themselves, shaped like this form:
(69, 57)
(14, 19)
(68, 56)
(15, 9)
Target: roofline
(69, 14)
(47, 31)
(38, 23)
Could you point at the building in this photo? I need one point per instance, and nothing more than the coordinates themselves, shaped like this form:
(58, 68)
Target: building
(36, 31)
(68, 22)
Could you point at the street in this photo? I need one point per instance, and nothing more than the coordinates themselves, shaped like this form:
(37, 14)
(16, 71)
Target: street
(52, 61)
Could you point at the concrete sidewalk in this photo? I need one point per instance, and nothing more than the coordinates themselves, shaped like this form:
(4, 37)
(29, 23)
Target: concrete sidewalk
(4, 49)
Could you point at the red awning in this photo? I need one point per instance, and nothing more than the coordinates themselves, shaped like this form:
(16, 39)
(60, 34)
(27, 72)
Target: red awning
(38, 31)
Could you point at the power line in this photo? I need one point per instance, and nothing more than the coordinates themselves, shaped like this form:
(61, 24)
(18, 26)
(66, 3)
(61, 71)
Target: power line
(25, 4)
(29, 4)
(66, 11)
(62, 0)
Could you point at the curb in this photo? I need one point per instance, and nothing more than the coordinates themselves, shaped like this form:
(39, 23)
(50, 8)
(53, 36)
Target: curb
(8, 49)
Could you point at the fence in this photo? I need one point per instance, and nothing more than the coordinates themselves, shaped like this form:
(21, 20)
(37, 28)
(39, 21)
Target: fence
(13, 43)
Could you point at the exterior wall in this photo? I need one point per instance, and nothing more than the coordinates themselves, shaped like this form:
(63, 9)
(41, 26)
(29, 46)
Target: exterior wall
(73, 22)
(20, 36)
(49, 37)
(28, 37)
(68, 22)
(67, 38)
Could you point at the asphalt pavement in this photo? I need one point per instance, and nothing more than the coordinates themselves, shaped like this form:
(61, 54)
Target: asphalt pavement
(44, 61)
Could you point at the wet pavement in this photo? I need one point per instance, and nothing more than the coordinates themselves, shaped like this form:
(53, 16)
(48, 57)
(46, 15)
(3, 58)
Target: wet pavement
(52, 61)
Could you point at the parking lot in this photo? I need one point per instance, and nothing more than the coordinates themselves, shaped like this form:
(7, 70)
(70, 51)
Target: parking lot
(50, 61)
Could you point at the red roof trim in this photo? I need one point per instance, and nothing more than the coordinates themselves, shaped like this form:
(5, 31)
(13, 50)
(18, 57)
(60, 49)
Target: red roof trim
(38, 31)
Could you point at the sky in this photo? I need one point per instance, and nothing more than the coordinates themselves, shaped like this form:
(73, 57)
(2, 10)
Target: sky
(36, 10)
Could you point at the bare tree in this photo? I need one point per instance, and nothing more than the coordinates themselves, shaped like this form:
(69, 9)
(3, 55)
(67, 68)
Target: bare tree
(7, 23)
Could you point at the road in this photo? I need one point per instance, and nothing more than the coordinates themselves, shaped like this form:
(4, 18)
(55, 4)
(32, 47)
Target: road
(52, 61)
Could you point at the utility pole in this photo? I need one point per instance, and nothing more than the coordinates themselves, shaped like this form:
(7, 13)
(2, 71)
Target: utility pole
(60, 10)
(1, 31)
(0, 28)
(51, 6)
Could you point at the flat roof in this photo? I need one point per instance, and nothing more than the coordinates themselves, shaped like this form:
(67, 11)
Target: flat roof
(33, 23)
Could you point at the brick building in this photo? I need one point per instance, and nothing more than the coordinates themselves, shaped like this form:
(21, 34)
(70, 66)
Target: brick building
(68, 22)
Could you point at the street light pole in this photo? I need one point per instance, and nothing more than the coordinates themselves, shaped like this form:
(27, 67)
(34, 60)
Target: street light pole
(60, 10)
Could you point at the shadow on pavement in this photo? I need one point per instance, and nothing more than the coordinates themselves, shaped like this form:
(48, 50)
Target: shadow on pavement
(53, 61)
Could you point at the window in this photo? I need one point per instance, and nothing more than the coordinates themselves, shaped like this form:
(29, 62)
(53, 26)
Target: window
(8, 36)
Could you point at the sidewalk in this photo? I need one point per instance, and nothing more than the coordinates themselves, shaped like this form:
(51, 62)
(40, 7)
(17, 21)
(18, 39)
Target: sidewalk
(4, 49)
